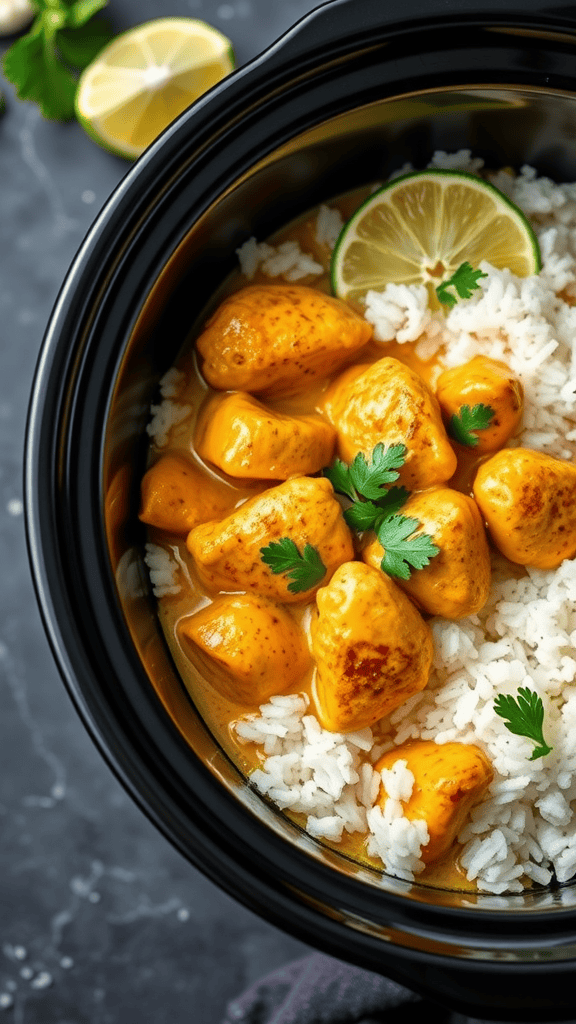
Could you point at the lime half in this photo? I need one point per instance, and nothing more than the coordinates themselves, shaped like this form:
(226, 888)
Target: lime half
(421, 227)
(147, 76)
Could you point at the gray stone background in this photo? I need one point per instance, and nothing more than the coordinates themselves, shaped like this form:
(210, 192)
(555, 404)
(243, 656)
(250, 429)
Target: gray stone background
(101, 921)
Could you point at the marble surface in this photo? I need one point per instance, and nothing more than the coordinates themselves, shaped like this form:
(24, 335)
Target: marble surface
(101, 921)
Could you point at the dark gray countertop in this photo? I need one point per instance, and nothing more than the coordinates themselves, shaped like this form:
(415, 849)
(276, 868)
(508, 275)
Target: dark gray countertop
(101, 921)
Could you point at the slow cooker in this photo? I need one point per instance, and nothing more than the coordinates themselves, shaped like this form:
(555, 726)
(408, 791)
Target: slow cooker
(350, 94)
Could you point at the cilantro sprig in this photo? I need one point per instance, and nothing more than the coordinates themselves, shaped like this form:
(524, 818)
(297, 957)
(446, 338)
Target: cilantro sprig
(467, 419)
(464, 281)
(304, 570)
(524, 716)
(403, 551)
(377, 507)
(43, 65)
(367, 479)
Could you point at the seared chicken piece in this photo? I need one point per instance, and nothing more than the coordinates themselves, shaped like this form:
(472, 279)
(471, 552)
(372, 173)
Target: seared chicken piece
(176, 495)
(255, 648)
(371, 646)
(228, 555)
(456, 583)
(449, 778)
(388, 402)
(275, 336)
(488, 382)
(529, 502)
(245, 439)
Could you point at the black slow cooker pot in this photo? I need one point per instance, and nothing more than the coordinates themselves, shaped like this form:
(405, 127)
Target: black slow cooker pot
(352, 92)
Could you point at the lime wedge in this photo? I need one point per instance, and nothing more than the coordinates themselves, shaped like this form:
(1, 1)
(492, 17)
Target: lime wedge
(147, 76)
(421, 227)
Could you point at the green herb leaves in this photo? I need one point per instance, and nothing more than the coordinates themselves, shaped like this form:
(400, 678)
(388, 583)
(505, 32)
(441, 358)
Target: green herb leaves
(524, 716)
(62, 40)
(464, 281)
(403, 551)
(304, 570)
(468, 419)
(366, 479)
(376, 508)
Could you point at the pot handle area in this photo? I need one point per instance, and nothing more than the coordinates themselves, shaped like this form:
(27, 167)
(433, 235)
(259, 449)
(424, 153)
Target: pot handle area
(336, 25)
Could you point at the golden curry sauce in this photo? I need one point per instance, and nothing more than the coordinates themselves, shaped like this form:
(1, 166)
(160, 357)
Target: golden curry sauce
(218, 712)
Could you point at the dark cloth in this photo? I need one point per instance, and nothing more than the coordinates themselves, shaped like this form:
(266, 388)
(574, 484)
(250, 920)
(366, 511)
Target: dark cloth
(320, 990)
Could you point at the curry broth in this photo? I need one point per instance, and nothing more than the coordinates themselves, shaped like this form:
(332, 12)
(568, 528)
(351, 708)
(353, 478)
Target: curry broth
(200, 676)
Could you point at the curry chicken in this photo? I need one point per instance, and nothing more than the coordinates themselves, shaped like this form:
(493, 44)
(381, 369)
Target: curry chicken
(290, 382)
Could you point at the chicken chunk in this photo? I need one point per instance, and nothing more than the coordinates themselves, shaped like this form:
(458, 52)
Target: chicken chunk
(371, 646)
(529, 502)
(254, 647)
(456, 583)
(449, 778)
(388, 402)
(176, 495)
(274, 336)
(228, 555)
(245, 439)
(487, 382)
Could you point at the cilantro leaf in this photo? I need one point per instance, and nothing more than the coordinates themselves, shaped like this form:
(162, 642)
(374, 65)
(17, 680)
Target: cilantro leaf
(304, 570)
(81, 12)
(43, 64)
(339, 476)
(466, 420)
(366, 515)
(464, 281)
(368, 478)
(524, 716)
(81, 45)
(32, 65)
(402, 551)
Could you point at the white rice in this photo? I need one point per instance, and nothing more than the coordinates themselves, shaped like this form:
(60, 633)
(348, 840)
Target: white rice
(526, 634)
(163, 570)
(168, 413)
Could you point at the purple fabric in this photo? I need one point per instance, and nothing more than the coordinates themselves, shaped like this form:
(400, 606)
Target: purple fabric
(320, 990)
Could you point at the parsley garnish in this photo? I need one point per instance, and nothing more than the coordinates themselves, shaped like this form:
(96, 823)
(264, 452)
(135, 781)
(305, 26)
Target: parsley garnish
(62, 40)
(304, 570)
(376, 508)
(525, 715)
(466, 420)
(464, 281)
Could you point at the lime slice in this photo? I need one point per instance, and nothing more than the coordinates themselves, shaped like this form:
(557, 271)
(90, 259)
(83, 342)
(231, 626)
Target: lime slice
(147, 76)
(421, 227)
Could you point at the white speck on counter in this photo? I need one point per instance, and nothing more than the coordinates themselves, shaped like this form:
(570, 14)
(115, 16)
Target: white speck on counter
(14, 952)
(26, 973)
(58, 791)
(15, 507)
(42, 980)
(183, 914)
(66, 963)
(6, 1001)
(88, 196)
(94, 897)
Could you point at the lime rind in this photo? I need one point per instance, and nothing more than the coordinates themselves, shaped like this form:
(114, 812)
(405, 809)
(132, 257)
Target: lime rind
(512, 215)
